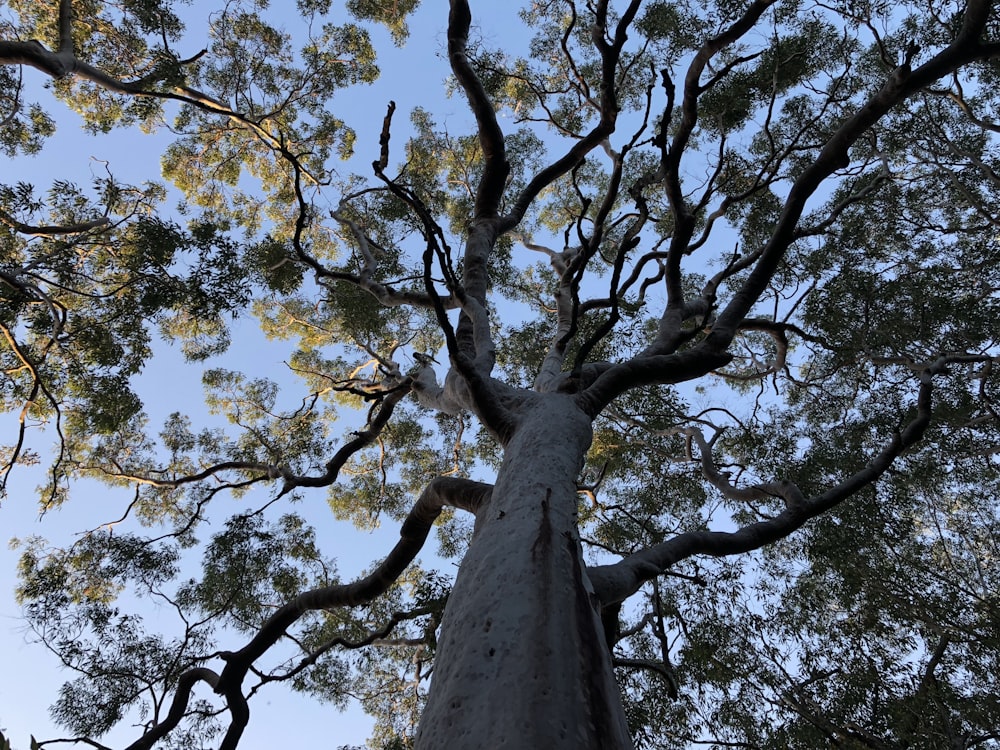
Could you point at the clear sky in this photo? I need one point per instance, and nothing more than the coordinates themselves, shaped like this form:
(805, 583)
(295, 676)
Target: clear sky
(30, 675)
(170, 385)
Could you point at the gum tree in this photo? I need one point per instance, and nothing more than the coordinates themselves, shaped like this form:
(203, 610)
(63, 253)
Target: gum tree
(695, 322)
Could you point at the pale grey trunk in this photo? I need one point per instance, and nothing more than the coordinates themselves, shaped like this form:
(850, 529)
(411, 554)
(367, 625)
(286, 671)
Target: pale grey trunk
(521, 662)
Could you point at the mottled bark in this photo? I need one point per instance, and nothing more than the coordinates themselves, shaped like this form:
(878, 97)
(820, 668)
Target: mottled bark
(522, 662)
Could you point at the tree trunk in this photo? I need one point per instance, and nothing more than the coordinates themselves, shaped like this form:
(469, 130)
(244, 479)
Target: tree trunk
(522, 662)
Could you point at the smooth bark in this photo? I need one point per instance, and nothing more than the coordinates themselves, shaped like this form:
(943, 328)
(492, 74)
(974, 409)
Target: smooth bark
(522, 662)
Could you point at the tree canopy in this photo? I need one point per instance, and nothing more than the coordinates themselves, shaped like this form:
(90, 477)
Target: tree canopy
(693, 311)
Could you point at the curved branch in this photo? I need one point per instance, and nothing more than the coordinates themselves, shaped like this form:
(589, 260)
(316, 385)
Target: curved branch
(265, 472)
(619, 581)
(551, 369)
(671, 158)
(386, 295)
(361, 439)
(34, 54)
(470, 345)
(483, 235)
(611, 380)
(834, 155)
(74, 741)
(37, 386)
(379, 634)
(239, 713)
(211, 471)
(440, 492)
(53, 229)
(610, 55)
(786, 490)
(182, 694)
(491, 139)
(655, 667)
(64, 63)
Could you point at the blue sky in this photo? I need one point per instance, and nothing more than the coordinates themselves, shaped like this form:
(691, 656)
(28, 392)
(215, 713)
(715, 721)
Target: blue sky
(412, 76)
(169, 385)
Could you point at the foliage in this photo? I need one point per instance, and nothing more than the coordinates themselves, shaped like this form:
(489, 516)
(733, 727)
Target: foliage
(756, 242)
(5, 743)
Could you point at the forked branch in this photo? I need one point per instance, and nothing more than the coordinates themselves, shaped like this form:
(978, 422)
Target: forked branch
(835, 154)
(443, 491)
(618, 581)
(491, 140)
(610, 56)
(440, 492)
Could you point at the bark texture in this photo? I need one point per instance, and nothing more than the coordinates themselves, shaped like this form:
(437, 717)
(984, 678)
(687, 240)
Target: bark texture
(522, 662)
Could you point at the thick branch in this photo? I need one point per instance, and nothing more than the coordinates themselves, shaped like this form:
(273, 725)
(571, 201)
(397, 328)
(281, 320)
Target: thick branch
(34, 54)
(52, 229)
(610, 55)
(617, 582)
(64, 63)
(834, 155)
(491, 140)
(613, 380)
(441, 492)
(470, 345)
(550, 373)
(182, 694)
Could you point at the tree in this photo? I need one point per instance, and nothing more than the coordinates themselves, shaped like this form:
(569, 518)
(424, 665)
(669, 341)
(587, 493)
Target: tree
(741, 415)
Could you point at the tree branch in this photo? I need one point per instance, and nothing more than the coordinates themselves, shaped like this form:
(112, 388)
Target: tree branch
(620, 580)
(50, 230)
(834, 155)
(182, 694)
(610, 55)
(379, 634)
(683, 216)
(491, 139)
(611, 380)
(440, 492)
